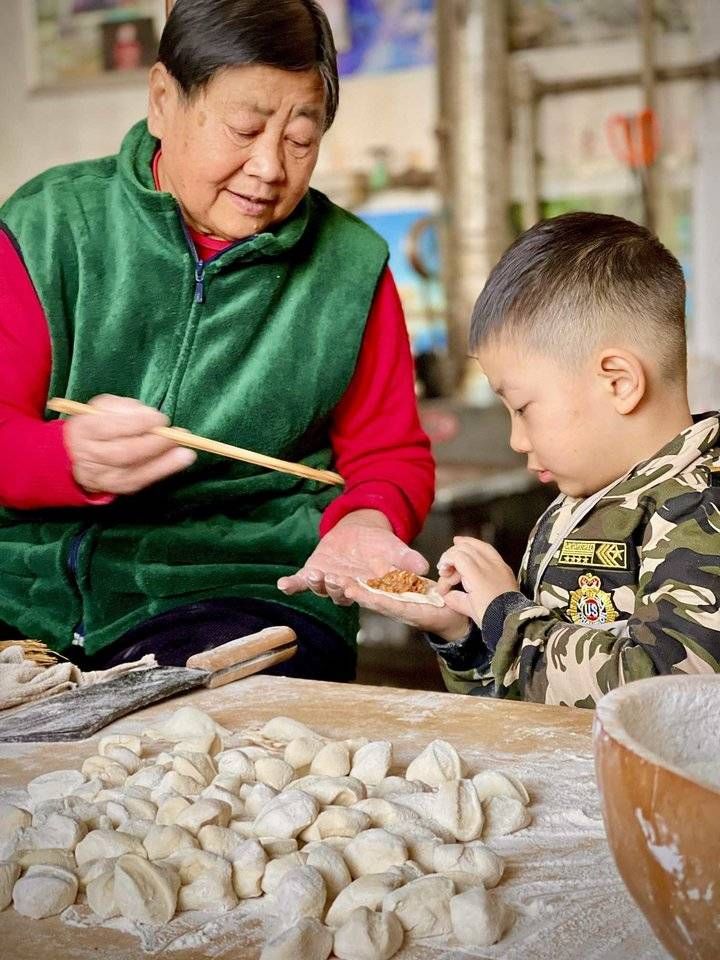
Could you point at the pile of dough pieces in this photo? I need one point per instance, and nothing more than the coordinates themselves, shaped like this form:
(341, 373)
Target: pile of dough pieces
(348, 857)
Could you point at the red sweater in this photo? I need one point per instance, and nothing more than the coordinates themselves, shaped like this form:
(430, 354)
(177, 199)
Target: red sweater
(379, 446)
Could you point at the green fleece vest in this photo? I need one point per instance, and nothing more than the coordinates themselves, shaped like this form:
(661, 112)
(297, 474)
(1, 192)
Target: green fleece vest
(258, 357)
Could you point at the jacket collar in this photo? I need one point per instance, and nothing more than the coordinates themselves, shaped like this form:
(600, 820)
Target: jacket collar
(161, 211)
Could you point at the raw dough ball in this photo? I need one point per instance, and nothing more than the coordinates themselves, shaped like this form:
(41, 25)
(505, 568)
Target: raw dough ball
(202, 813)
(504, 815)
(136, 828)
(332, 761)
(105, 844)
(331, 866)
(9, 872)
(300, 893)
(52, 857)
(100, 892)
(206, 881)
(149, 777)
(454, 805)
(126, 758)
(374, 851)
(471, 858)
(341, 791)
(219, 840)
(438, 762)
(145, 892)
(422, 906)
(337, 822)
(57, 832)
(236, 763)
(163, 841)
(111, 773)
(368, 936)
(397, 785)
(44, 891)
(89, 790)
(493, 783)
(12, 819)
(408, 872)
(287, 815)
(248, 867)
(386, 813)
(372, 762)
(216, 792)
(92, 869)
(170, 809)
(130, 808)
(308, 939)
(301, 751)
(185, 724)
(126, 740)
(285, 729)
(368, 891)
(278, 846)
(258, 797)
(197, 766)
(210, 743)
(420, 842)
(50, 786)
(274, 772)
(174, 782)
(275, 870)
(478, 917)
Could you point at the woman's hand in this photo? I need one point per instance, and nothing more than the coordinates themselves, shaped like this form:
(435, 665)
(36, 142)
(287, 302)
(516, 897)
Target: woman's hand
(116, 452)
(482, 572)
(442, 621)
(362, 544)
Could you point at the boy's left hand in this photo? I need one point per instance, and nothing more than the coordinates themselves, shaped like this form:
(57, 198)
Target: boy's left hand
(482, 572)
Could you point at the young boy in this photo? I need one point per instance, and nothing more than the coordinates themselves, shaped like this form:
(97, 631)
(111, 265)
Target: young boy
(580, 331)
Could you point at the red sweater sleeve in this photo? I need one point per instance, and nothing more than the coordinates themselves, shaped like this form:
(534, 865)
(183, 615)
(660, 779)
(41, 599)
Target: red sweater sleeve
(36, 470)
(380, 448)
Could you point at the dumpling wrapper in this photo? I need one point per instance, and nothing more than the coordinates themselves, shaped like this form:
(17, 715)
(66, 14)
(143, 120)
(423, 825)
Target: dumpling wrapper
(432, 597)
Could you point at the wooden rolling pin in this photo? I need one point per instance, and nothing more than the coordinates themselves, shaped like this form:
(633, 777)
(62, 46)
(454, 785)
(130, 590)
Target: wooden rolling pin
(80, 713)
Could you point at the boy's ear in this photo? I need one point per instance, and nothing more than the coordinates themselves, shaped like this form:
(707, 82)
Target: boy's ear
(622, 376)
(161, 93)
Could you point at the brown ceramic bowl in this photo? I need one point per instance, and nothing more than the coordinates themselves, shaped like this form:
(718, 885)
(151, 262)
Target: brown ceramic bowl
(657, 759)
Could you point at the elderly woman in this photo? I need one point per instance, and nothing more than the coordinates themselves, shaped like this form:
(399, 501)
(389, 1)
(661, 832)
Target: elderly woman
(195, 278)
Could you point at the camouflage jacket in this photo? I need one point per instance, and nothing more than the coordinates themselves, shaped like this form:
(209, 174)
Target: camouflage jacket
(621, 585)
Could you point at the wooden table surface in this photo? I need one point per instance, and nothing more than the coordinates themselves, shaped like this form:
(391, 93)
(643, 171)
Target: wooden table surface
(568, 899)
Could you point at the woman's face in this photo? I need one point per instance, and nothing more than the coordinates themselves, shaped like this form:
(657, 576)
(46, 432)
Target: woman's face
(238, 156)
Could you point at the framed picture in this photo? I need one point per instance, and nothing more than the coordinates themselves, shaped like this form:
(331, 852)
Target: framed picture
(76, 43)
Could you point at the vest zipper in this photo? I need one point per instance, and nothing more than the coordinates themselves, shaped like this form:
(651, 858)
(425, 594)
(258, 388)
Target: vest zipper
(199, 296)
(78, 639)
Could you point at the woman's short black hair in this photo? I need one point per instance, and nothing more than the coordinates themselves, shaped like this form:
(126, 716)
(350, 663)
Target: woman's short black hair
(202, 37)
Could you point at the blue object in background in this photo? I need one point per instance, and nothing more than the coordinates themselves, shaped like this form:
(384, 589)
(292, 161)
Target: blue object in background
(389, 35)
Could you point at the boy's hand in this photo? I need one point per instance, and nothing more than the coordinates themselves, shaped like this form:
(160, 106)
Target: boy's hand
(482, 572)
(443, 621)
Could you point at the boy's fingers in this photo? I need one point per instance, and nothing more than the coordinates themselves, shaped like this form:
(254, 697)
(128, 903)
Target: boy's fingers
(459, 602)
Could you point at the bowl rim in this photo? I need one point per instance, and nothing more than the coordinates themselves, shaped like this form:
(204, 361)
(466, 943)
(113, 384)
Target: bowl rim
(607, 720)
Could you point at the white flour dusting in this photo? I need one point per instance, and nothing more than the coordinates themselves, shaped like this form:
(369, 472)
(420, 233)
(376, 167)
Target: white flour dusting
(568, 898)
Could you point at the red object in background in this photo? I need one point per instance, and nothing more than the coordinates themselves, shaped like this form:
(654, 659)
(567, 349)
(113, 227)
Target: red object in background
(440, 425)
(127, 49)
(634, 138)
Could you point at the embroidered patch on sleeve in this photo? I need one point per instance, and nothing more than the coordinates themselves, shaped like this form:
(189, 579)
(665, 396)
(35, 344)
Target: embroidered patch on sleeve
(606, 554)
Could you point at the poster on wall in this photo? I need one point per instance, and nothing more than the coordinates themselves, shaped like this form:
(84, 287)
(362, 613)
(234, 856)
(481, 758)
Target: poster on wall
(378, 36)
(78, 42)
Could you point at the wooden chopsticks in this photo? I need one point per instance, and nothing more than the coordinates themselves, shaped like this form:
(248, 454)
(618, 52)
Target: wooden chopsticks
(183, 438)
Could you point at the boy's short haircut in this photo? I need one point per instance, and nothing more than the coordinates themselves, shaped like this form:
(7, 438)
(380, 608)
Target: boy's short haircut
(574, 282)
